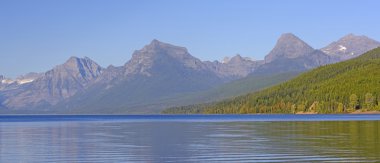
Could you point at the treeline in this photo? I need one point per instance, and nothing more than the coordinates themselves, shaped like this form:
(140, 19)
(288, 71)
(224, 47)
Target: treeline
(338, 88)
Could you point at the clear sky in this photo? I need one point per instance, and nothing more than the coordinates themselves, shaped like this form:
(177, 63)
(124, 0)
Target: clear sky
(37, 35)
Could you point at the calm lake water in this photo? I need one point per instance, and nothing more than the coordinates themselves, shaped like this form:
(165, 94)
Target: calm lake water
(197, 138)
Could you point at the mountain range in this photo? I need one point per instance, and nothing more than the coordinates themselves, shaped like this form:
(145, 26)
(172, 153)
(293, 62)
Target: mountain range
(344, 87)
(162, 75)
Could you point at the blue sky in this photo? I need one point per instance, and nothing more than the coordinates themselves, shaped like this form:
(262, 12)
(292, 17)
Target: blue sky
(37, 35)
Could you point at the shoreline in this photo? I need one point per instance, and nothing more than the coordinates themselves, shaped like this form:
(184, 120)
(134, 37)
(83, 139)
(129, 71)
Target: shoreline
(365, 112)
(298, 113)
(355, 112)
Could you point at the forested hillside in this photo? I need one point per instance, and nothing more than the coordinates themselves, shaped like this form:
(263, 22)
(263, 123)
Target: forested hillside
(338, 88)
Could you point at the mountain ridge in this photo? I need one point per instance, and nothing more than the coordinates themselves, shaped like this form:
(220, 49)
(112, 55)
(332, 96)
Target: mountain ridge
(288, 46)
(343, 87)
(54, 85)
(158, 71)
(350, 46)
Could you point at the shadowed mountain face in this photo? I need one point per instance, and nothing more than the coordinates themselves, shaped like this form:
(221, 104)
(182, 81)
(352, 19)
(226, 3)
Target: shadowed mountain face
(59, 83)
(350, 46)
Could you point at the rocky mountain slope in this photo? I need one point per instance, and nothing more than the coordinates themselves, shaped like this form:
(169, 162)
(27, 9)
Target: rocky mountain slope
(160, 75)
(157, 71)
(48, 89)
(234, 68)
(288, 46)
(292, 54)
(350, 46)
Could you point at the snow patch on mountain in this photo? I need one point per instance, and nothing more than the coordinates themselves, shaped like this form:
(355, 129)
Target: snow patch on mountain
(24, 81)
(342, 48)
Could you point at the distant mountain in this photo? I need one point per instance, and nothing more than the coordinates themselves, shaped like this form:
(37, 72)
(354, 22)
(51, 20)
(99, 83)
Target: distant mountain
(29, 77)
(156, 56)
(158, 76)
(157, 71)
(292, 54)
(53, 86)
(288, 46)
(110, 75)
(341, 87)
(234, 68)
(7, 83)
(350, 46)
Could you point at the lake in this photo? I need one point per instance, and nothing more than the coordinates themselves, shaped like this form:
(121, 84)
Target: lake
(190, 138)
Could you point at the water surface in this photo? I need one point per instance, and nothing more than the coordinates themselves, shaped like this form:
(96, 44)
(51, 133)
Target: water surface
(166, 138)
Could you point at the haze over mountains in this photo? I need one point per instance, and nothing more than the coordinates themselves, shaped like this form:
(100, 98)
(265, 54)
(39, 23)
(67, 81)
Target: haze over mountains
(53, 86)
(161, 75)
(292, 54)
(344, 87)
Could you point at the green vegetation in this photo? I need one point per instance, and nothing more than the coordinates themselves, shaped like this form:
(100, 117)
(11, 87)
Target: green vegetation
(229, 90)
(338, 88)
(236, 88)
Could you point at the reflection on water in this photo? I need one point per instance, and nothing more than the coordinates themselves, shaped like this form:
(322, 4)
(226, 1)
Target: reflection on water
(118, 141)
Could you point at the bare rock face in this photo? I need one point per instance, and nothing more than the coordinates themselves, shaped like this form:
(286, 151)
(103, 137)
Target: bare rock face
(288, 46)
(110, 74)
(240, 67)
(233, 68)
(55, 85)
(291, 54)
(350, 46)
(157, 52)
(163, 60)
